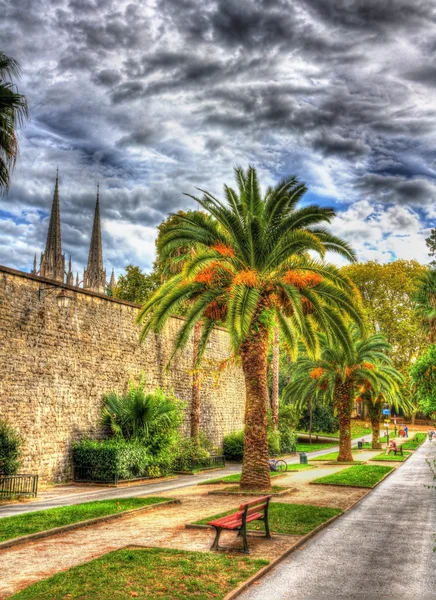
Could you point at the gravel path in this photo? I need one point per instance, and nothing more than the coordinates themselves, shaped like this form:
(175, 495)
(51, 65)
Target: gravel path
(381, 549)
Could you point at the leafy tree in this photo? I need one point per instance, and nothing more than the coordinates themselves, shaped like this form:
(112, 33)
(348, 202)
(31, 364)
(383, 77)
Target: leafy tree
(10, 449)
(337, 376)
(431, 245)
(388, 294)
(426, 304)
(136, 286)
(251, 268)
(323, 419)
(423, 375)
(13, 112)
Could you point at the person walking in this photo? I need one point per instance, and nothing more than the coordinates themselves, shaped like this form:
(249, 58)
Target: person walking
(406, 431)
(430, 435)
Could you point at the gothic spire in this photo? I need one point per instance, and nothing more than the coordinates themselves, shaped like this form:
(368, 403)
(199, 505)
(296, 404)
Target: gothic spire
(95, 276)
(53, 262)
(113, 281)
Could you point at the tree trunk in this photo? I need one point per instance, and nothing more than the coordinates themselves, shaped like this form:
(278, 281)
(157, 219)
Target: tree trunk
(344, 409)
(275, 380)
(254, 356)
(196, 385)
(374, 412)
(310, 420)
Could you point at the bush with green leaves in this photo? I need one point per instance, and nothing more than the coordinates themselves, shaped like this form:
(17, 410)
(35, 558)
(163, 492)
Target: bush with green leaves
(323, 420)
(189, 451)
(423, 376)
(126, 459)
(233, 445)
(151, 418)
(10, 450)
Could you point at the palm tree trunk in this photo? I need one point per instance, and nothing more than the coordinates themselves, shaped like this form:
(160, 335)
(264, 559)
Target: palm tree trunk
(310, 420)
(344, 409)
(196, 385)
(374, 411)
(254, 355)
(275, 380)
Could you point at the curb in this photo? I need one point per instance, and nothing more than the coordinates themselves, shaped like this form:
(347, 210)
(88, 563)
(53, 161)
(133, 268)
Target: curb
(79, 525)
(223, 493)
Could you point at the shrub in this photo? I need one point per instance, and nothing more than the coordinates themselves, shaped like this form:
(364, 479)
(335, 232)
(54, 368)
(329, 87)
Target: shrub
(233, 445)
(288, 440)
(127, 459)
(188, 451)
(10, 450)
(274, 445)
(323, 420)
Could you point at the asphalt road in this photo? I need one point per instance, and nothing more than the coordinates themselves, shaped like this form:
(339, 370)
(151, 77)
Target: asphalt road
(9, 510)
(383, 548)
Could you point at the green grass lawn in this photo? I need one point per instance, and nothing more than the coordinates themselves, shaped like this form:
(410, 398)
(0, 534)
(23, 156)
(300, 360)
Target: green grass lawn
(148, 574)
(391, 457)
(415, 442)
(236, 477)
(293, 519)
(329, 457)
(356, 476)
(306, 447)
(357, 430)
(12, 527)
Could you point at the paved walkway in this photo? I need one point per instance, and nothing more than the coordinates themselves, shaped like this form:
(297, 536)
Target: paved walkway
(383, 548)
(9, 510)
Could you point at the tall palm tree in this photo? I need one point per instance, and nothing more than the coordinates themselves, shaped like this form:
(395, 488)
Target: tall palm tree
(426, 304)
(251, 267)
(339, 375)
(13, 111)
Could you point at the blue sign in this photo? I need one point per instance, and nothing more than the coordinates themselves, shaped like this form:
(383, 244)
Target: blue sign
(386, 411)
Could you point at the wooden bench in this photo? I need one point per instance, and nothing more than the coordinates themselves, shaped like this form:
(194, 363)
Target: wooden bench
(256, 510)
(395, 449)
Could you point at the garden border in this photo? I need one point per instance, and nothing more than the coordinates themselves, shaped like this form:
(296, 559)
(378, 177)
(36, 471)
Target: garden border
(80, 524)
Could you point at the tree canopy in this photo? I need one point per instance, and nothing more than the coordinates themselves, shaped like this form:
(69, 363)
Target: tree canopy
(423, 376)
(136, 286)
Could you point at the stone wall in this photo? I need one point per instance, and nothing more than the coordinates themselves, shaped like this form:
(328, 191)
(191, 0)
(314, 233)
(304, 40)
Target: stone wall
(56, 363)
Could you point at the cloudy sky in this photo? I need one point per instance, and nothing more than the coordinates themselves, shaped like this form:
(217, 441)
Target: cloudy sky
(155, 97)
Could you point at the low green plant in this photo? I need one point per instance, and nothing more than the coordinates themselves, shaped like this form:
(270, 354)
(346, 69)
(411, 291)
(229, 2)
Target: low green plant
(274, 442)
(189, 451)
(233, 445)
(415, 442)
(356, 476)
(10, 449)
(391, 457)
(153, 573)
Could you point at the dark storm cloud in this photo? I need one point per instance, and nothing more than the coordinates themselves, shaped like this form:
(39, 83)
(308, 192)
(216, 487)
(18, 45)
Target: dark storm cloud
(156, 98)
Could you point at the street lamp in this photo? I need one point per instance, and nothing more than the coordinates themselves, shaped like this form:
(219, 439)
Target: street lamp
(63, 299)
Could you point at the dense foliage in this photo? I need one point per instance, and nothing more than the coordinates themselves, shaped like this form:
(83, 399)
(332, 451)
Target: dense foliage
(323, 419)
(423, 375)
(191, 451)
(136, 286)
(425, 299)
(233, 446)
(10, 450)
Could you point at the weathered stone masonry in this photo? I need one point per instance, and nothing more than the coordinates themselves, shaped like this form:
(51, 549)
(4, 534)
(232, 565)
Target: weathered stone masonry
(55, 364)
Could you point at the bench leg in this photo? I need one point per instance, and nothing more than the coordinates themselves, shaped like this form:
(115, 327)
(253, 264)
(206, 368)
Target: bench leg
(267, 531)
(243, 532)
(217, 538)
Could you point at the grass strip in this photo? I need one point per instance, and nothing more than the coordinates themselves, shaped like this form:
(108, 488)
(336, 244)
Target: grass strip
(236, 477)
(357, 476)
(292, 519)
(391, 457)
(415, 442)
(306, 447)
(42, 520)
(329, 457)
(152, 574)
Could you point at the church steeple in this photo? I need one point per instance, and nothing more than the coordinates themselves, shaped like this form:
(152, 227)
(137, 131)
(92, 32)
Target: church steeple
(52, 260)
(95, 276)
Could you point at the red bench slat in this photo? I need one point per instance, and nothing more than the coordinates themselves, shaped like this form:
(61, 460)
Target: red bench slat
(230, 522)
(261, 500)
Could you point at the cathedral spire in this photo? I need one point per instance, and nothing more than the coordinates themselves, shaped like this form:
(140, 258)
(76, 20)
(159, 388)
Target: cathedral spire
(95, 276)
(113, 282)
(52, 261)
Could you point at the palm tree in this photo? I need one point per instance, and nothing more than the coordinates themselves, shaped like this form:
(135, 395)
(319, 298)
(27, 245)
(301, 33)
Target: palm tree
(338, 376)
(250, 268)
(13, 111)
(387, 392)
(275, 378)
(426, 304)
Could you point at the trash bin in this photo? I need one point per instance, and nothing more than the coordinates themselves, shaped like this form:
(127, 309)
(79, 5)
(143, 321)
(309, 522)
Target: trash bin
(303, 458)
(360, 445)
